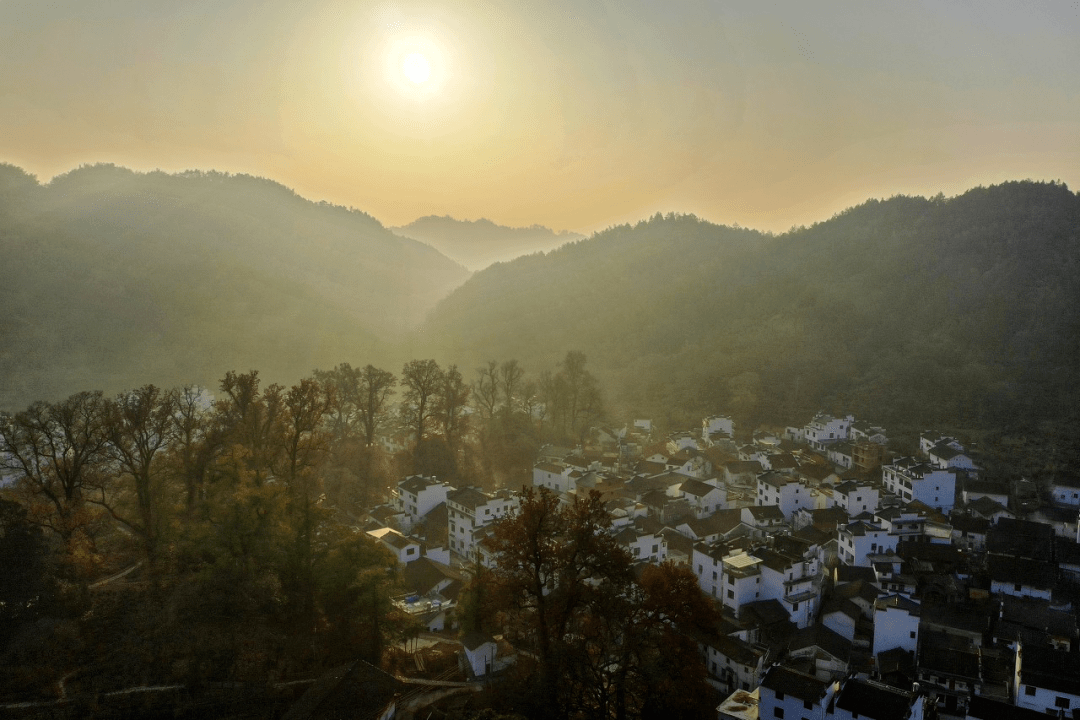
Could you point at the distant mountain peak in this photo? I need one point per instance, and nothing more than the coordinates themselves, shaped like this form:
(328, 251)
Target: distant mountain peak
(482, 242)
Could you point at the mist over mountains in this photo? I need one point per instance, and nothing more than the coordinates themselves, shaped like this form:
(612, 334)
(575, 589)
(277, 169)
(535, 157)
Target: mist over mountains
(917, 311)
(112, 279)
(479, 243)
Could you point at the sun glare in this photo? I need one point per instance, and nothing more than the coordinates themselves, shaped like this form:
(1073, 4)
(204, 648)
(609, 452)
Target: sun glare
(417, 68)
(416, 65)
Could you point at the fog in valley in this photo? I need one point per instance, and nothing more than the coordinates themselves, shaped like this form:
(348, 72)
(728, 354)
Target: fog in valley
(428, 360)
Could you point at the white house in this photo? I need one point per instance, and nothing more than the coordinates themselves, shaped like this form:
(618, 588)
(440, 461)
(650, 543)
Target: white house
(855, 497)
(1047, 680)
(480, 650)
(733, 663)
(896, 624)
(468, 510)
(405, 549)
(945, 456)
(558, 477)
(1065, 492)
(912, 479)
(741, 581)
(792, 581)
(787, 694)
(716, 427)
(417, 495)
(707, 562)
(825, 429)
(863, 431)
(860, 539)
(704, 496)
(928, 440)
(783, 491)
(644, 540)
(860, 699)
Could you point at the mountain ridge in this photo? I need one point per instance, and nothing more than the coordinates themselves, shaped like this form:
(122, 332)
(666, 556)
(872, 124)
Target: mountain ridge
(479, 243)
(116, 278)
(914, 310)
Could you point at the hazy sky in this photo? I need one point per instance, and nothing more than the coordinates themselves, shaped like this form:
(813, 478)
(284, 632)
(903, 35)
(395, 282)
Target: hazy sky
(570, 114)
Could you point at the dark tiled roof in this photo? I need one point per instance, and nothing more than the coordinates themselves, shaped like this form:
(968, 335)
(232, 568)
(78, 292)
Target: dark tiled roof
(821, 637)
(1020, 571)
(981, 708)
(423, 574)
(1021, 538)
(1051, 669)
(416, 483)
(865, 698)
(766, 512)
(780, 679)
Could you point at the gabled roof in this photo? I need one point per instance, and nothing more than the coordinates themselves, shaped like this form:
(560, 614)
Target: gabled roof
(823, 638)
(901, 602)
(721, 522)
(784, 680)
(417, 483)
(422, 575)
(1022, 571)
(765, 512)
(473, 640)
(869, 699)
(697, 487)
(1021, 538)
(986, 507)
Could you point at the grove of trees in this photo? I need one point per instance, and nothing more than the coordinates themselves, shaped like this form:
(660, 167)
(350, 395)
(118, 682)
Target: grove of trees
(238, 515)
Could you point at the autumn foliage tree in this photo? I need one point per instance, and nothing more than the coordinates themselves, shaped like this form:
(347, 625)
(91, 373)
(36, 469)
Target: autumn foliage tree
(565, 590)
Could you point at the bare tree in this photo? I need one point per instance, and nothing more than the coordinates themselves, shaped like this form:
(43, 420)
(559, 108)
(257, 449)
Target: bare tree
(137, 425)
(486, 390)
(58, 449)
(423, 381)
(452, 399)
(375, 389)
(510, 375)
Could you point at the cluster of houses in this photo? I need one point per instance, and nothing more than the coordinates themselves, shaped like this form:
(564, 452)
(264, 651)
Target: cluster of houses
(852, 583)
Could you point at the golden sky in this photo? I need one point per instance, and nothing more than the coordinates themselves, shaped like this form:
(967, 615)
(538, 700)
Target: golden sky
(574, 115)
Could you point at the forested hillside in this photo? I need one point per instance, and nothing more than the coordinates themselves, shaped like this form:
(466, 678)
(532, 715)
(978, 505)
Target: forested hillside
(113, 278)
(479, 243)
(913, 311)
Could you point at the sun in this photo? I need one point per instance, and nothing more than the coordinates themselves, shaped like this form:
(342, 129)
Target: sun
(416, 68)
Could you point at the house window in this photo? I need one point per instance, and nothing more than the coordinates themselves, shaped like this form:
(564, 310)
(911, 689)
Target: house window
(778, 712)
(794, 606)
(1029, 690)
(730, 579)
(808, 705)
(410, 551)
(1017, 587)
(1061, 702)
(731, 594)
(779, 695)
(700, 569)
(912, 634)
(655, 548)
(713, 574)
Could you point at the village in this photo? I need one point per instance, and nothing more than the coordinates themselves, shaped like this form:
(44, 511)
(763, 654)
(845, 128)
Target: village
(852, 582)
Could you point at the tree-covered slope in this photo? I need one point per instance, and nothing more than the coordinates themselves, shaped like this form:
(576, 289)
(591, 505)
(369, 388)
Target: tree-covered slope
(112, 279)
(479, 243)
(909, 310)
